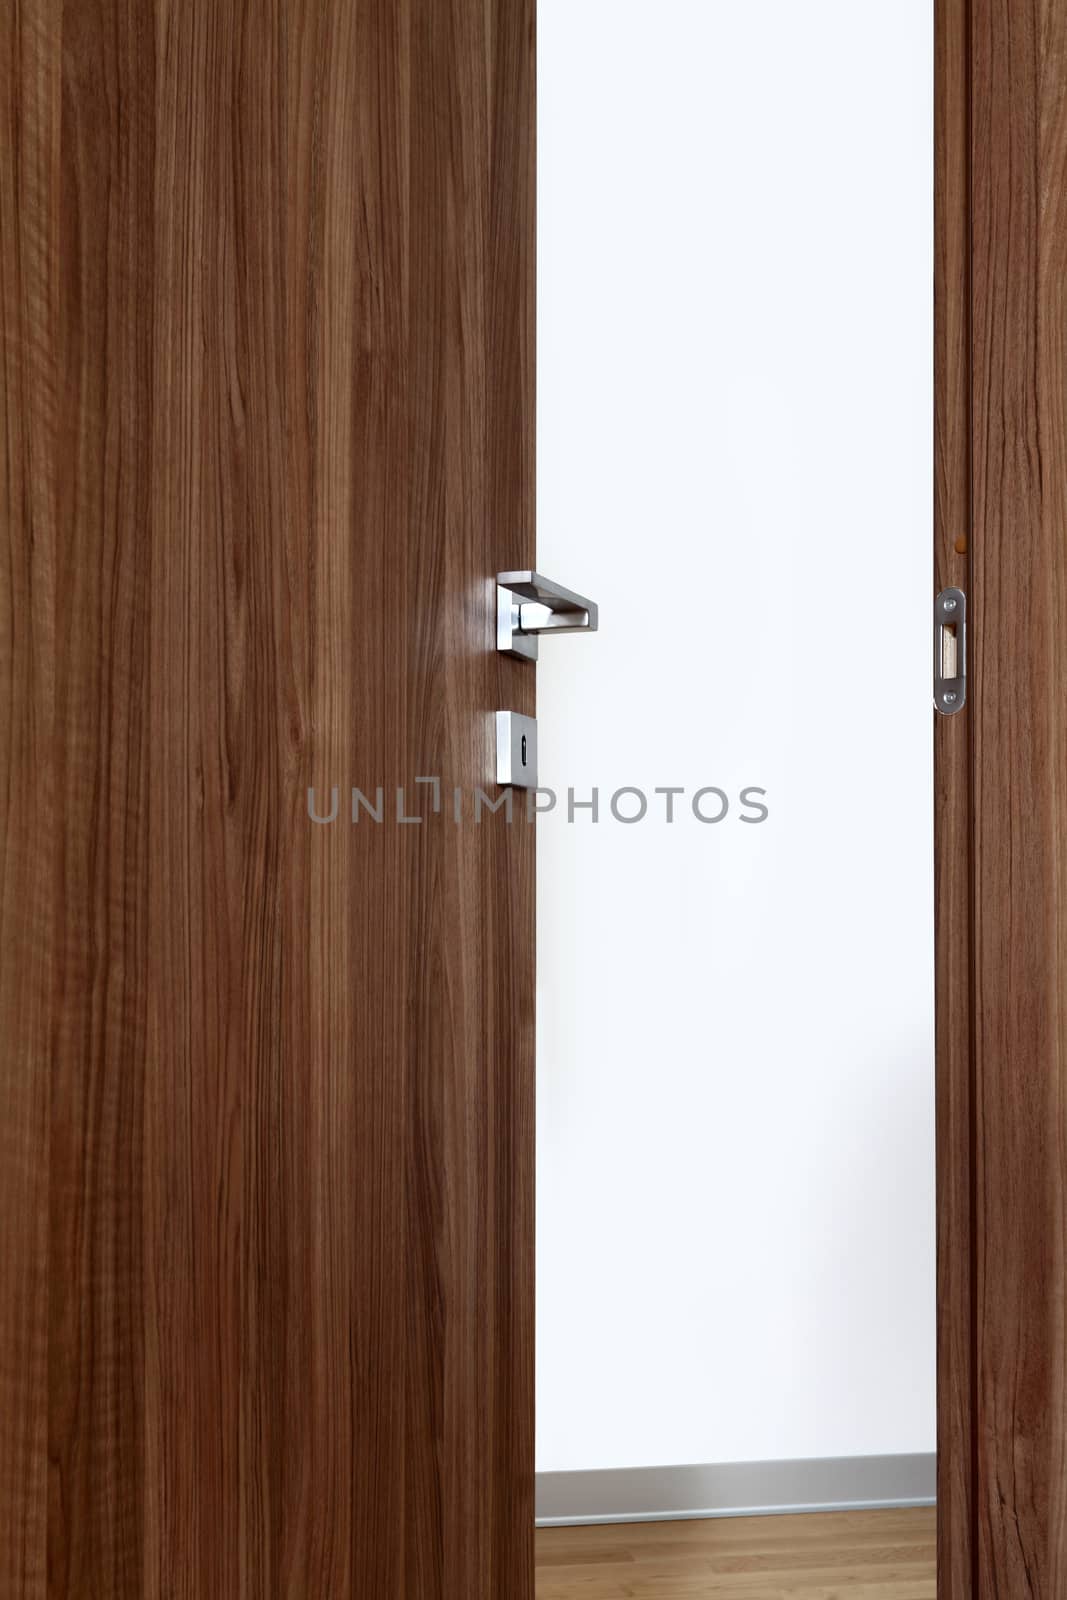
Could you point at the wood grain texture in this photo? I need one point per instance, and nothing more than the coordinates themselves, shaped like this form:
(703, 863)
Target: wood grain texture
(953, 820)
(29, 400)
(881, 1555)
(266, 1269)
(1019, 607)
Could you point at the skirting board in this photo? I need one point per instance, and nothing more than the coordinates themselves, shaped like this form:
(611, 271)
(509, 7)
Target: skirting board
(737, 1489)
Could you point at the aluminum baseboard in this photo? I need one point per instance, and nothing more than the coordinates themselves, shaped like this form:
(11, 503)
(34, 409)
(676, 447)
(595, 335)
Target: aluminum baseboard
(736, 1489)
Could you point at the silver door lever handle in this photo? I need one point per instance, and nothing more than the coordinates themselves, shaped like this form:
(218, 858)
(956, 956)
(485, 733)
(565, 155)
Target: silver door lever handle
(528, 605)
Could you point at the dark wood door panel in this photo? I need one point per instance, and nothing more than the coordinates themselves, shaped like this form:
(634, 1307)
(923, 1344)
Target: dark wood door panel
(267, 315)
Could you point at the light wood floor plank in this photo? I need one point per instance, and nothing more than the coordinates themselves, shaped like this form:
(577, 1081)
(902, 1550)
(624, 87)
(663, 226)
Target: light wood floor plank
(855, 1555)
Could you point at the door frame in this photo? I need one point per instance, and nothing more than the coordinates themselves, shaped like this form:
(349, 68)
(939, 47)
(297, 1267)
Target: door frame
(953, 818)
(1001, 799)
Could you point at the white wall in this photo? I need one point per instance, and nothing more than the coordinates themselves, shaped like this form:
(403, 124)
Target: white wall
(735, 1071)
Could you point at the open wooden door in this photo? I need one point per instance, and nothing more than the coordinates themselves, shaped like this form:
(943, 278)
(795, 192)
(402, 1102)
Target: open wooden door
(266, 326)
(1002, 800)
(266, 322)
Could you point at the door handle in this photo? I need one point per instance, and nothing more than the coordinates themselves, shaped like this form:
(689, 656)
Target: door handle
(528, 605)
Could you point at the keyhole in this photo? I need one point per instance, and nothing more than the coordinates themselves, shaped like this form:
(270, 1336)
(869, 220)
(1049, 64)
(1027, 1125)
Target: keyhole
(524, 749)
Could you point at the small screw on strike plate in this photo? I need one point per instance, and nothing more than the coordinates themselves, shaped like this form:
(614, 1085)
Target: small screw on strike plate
(950, 605)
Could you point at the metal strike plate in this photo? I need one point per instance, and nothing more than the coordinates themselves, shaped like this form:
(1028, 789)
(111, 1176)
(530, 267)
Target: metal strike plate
(516, 750)
(528, 605)
(950, 652)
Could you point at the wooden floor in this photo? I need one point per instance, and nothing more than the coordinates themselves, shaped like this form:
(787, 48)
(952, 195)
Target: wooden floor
(854, 1555)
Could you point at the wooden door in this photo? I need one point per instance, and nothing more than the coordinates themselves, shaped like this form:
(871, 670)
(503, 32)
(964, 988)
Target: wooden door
(1002, 801)
(266, 310)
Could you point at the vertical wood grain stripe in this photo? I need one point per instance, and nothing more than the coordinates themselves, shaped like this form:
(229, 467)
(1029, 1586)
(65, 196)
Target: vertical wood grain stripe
(29, 419)
(1019, 607)
(953, 823)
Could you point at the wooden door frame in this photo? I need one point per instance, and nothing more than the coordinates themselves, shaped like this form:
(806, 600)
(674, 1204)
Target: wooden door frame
(953, 818)
(1000, 532)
